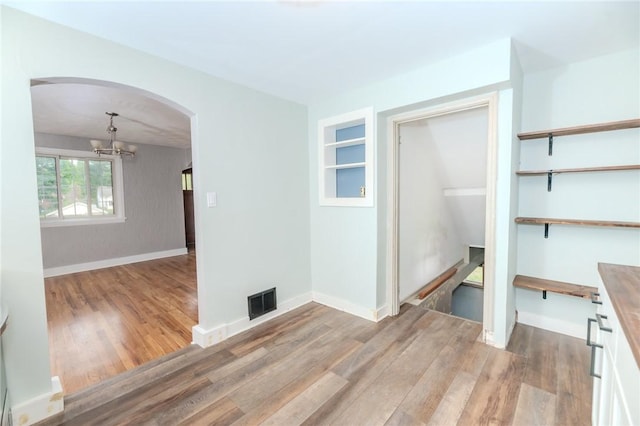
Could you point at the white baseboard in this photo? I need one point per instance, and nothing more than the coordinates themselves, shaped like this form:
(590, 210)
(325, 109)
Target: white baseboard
(205, 338)
(490, 340)
(40, 407)
(511, 327)
(348, 307)
(208, 337)
(108, 263)
(553, 324)
(382, 312)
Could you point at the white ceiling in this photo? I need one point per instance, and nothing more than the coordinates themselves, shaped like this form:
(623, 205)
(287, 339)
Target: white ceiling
(74, 109)
(302, 50)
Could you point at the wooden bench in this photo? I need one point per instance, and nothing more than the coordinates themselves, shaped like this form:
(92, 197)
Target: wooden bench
(560, 287)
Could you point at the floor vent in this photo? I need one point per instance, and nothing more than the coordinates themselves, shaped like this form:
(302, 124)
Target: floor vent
(261, 303)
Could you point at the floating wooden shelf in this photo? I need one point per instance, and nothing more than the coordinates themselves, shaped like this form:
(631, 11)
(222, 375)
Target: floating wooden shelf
(560, 287)
(546, 221)
(552, 172)
(577, 130)
(577, 170)
(580, 222)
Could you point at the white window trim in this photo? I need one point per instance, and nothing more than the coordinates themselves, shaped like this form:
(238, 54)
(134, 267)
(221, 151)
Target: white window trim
(118, 189)
(365, 114)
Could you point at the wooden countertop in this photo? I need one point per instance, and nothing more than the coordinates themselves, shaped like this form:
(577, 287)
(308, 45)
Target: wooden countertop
(623, 286)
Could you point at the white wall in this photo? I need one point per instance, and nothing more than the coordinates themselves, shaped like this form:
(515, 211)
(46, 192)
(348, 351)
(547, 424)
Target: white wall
(460, 154)
(153, 206)
(349, 244)
(438, 157)
(247, 146)
(602, 89)
(428, 241)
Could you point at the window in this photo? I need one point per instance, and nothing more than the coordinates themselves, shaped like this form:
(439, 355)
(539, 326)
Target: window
(476, 277)
(77, 187)
(346, 159)
(187, 179)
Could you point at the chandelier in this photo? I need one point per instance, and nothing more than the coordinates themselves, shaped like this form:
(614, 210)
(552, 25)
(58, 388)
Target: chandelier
(114, 147)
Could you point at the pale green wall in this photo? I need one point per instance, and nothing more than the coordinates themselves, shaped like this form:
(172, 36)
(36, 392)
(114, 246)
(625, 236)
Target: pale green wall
(601, 89)
(348, 244)
(247, 146)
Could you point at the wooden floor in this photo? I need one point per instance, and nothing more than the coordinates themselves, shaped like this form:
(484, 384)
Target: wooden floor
(319, 366)
(107, 321)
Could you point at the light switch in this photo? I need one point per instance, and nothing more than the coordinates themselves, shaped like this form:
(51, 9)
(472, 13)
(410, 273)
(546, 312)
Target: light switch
(212, 199)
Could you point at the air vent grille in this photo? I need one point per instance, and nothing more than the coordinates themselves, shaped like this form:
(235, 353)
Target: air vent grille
(261, 303)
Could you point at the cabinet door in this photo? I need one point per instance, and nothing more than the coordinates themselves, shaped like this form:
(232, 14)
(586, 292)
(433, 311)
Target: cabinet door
(620, 414)
(627, 383)
(604, 404)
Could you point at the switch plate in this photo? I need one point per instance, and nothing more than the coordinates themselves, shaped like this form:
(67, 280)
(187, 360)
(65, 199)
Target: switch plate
(212, 199)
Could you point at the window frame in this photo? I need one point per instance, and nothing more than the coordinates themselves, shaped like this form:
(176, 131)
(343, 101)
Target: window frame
(327, 160)
(117, 185)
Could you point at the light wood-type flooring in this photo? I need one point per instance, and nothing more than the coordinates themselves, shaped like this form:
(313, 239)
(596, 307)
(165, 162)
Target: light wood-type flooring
(107, 321)
(319, 366)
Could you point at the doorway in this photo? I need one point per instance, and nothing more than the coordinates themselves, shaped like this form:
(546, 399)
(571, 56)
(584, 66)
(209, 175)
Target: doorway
(441, 195)
(120, 285)
(187, 201)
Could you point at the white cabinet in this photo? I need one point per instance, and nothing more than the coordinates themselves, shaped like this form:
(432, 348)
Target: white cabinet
(616, 392)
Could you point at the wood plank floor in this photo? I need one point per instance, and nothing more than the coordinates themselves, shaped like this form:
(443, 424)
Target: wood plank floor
(319, 366)
(107, 321)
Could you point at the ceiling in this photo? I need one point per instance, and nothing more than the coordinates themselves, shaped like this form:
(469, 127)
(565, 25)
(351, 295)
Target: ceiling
(302, 50)
(76, 109)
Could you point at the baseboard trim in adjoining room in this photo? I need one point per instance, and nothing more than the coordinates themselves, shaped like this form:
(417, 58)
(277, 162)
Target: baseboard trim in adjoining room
(108, 263)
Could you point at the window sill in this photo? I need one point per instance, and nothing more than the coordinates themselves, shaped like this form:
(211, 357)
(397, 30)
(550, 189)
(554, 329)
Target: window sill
(76, 222)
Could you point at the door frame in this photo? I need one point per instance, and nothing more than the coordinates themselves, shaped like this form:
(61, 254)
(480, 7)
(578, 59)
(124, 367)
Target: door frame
(489, 101)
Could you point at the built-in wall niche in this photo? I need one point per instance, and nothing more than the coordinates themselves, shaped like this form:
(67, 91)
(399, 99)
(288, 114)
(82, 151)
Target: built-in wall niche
(346, 159)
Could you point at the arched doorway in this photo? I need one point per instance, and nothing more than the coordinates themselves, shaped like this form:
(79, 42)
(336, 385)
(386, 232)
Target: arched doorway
(120, 290)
